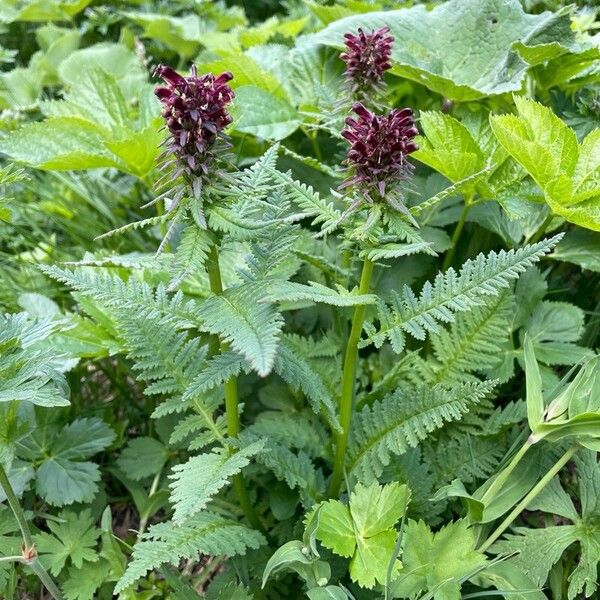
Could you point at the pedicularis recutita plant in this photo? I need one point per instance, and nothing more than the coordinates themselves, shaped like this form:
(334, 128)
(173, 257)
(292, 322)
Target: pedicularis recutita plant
(341, 352)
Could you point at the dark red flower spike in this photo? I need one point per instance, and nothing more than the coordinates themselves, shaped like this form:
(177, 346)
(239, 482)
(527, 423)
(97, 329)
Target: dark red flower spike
(379, 147)
(367, 57)
(195, 113)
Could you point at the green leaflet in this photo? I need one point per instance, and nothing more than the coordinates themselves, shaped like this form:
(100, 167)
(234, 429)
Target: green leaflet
(567, 172)
(481, 61)
(438, 561)
(402, 419)
(364, 530)
(194, 482)
(206, 533)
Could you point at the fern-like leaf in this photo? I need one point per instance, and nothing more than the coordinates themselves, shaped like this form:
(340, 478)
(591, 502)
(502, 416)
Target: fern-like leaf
(250, 326)
(453, 293)
(404, 418)
(206, 533)
(194, 482)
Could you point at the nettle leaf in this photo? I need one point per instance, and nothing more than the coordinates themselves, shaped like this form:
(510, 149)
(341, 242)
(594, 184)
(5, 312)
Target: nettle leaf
(63, 475)
(263, 114)
(438, 561)
(72, 539)
(364, 530)
(482, 59)
(201, 477)
(93, 126)
(566, 171)
(448, 147)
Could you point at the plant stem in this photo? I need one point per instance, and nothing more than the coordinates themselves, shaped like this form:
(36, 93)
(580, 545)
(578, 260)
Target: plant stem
(348, 382)
(537, 236)
(13, 502)
(456, 235)
(491, 492)
(29, 553)
(231, 401)
(533, 493)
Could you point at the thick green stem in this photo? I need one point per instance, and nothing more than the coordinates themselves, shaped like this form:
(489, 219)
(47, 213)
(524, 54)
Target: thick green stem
(456, 235)
(533, 493)
(497, 484)
(348, 383)
(29, 553)
(231, 401)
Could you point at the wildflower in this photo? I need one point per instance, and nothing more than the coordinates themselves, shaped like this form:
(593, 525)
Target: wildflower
(195, 112)
(379, 146)
(367, 57)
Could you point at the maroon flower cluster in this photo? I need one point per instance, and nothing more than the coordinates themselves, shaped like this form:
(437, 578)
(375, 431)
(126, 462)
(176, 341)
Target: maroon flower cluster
(195, 112)
(367, 57)
(379, 146)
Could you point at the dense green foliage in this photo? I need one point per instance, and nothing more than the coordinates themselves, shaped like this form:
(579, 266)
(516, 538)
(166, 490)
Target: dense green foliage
(255, 383)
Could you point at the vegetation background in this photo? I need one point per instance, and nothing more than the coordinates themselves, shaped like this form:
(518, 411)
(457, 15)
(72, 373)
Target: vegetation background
(472, 460)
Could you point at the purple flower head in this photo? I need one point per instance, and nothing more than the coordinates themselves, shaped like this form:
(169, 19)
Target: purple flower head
(195, 112)
(379, 146)
(367, 57)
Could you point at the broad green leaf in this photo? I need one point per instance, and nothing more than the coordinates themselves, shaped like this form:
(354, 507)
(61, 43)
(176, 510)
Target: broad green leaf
(60, 143)
(63, 475)
(115, 60)
(364, 530)
(182, 34)
(70, 539)
(83, 583)
(437, 560)
(41, 10)
(142, 457)
(448, 147)
(246, 72)
(581, 248)
(336, 530)
(567, 172)
(375, 508)
(553, 328)
(263, 115)
(538, 140)
(479, 61)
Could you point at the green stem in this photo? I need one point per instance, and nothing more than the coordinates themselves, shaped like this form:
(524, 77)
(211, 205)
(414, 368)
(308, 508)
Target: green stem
(537, 236)
(231, 401)
(29, 553)
(491, 492)
(348, 383)
(456, 235)
(38, 569)
(533, 493)
(13, 502)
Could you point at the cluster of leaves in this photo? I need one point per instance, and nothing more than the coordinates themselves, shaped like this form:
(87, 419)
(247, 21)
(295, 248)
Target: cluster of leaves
(139, 473)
